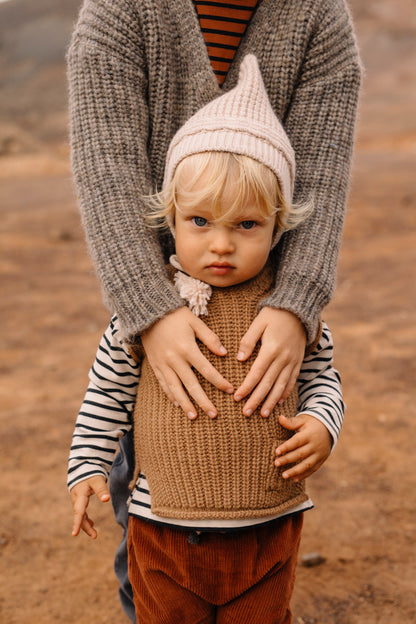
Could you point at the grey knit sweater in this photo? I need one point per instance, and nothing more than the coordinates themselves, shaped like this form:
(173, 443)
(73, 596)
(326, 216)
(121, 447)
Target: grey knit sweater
(138, 69)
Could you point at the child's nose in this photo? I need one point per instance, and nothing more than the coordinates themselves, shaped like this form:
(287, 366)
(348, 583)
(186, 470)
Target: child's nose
(222, 242)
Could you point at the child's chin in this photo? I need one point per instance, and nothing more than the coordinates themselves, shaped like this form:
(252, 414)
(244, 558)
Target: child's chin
(225, 281)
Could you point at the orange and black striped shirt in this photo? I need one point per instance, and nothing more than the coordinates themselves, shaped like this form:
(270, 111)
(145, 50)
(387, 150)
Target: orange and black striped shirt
(223, 24)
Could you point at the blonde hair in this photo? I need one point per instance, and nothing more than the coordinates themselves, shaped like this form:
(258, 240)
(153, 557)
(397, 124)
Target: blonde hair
(252, 178)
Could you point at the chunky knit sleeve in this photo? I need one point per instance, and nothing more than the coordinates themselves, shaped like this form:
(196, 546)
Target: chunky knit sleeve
(109, 124)
(320, 123)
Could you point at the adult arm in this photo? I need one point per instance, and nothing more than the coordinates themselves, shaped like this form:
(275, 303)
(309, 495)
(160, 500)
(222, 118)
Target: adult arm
(320, 122)
(109, 137)
(109, 122)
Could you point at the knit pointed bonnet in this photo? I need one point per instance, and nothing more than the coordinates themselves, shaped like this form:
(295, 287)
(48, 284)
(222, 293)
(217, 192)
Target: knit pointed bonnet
(241, 121)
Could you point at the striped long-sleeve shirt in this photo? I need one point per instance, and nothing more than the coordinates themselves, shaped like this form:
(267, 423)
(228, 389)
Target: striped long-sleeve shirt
(223, 24)
(107, 411)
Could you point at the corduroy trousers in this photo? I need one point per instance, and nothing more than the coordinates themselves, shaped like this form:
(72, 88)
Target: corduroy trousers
(243, 577)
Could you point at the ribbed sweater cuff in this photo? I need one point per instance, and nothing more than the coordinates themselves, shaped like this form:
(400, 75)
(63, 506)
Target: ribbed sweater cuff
(304, 301)
(136, 314)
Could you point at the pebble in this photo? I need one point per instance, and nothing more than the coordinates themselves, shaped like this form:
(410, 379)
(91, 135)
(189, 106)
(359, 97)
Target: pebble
(310, 560)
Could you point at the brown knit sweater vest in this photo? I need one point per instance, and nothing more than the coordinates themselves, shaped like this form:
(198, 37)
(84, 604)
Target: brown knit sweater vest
(219, 468)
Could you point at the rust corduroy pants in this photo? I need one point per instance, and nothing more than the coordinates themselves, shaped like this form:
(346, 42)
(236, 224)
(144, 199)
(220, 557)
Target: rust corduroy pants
(243, 577)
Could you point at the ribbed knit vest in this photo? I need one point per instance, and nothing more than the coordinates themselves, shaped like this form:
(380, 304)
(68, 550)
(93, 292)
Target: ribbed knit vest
(220, 468)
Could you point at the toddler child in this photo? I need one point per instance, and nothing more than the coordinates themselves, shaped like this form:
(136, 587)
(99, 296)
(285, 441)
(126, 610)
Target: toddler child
(216, 504)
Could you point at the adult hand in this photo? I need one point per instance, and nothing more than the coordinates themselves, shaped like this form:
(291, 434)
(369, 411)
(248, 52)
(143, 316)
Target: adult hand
(172, 351)
(277, 365)
(308, 448)
(80, 497)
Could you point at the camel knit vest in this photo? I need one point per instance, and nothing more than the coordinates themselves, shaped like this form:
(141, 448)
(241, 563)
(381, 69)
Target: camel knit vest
(219, 468)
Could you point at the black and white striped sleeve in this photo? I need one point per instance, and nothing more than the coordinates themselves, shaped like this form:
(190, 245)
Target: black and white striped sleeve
(319, 385)
(106, 412)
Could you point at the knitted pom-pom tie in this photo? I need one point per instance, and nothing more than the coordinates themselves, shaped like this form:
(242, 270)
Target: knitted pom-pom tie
(194, 291)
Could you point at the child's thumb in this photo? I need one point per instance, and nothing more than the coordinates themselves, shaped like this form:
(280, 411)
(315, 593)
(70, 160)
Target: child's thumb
(101, 490)
(289, 423)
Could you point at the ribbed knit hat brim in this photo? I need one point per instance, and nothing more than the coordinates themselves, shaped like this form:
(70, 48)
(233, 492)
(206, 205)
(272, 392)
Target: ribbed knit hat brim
(240, 121)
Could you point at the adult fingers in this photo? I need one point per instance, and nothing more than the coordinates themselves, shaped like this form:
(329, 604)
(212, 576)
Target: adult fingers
(280, 390)
(184, 385)
(265, 367)
(207, 336)
(251, 338)
(200, 362)
(271, 385)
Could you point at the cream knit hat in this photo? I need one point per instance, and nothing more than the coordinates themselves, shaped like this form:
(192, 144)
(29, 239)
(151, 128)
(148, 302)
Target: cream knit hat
(241, 121)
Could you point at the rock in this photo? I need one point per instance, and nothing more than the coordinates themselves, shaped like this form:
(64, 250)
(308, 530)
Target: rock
(310, 560)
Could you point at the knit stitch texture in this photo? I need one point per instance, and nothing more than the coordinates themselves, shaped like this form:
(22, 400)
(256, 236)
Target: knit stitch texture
(220, 468)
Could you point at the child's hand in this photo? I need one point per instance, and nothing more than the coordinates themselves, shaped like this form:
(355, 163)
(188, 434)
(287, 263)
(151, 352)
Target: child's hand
(80, 497)
(310, 446)
(172, 351)
(277, 365)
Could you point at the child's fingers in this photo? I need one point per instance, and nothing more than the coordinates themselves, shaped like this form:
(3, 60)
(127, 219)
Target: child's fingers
(306, 450)
(79, 506)
(87, 526)
(80, 498)
(292, 450)
(99, 486)
(301, 471)
(296, 441)
(304, 468)
(292, 424)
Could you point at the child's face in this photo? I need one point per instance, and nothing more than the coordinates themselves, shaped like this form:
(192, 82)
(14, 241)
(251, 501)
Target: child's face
(222, 253)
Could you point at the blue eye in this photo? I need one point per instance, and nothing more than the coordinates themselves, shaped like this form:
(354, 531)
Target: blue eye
(247, 225)
(199, 221)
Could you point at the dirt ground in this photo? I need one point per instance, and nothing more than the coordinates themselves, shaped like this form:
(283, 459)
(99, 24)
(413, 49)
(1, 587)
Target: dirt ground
(363, 524)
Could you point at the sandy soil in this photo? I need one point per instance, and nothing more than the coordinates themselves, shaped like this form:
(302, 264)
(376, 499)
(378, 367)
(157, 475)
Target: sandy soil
(52, 316)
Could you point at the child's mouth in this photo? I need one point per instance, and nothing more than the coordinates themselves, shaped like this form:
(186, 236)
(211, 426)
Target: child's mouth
(220, 269)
